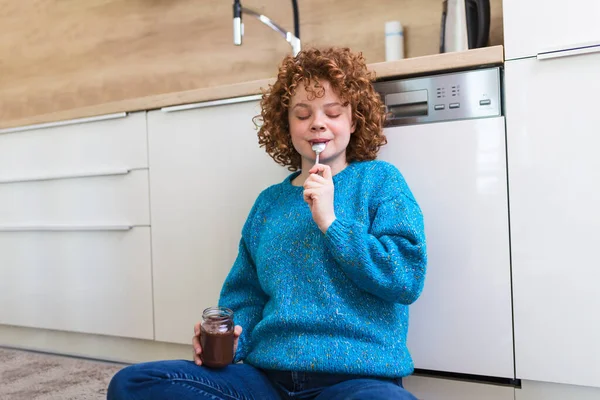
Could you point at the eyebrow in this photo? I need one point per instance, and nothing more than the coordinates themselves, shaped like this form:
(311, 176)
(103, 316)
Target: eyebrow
(303, 105)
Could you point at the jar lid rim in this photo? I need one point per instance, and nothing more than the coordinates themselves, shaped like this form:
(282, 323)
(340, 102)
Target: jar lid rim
(217, 312)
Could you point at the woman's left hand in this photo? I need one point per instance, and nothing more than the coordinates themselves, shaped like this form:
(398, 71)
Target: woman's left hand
(318, 194)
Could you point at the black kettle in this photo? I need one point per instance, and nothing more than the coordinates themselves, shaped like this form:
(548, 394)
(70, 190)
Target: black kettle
(465, 25)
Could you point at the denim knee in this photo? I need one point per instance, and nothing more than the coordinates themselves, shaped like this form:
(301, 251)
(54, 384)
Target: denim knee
(184, 380)
(121, 383)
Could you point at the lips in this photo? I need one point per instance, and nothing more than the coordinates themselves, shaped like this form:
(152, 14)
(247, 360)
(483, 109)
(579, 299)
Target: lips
(319, 141)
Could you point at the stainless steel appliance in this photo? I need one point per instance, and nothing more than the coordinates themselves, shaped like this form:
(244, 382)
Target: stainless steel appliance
(465, 25)
(454, 96)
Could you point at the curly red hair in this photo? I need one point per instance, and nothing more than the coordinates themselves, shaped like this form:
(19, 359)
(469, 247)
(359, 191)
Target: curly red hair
(348, 76)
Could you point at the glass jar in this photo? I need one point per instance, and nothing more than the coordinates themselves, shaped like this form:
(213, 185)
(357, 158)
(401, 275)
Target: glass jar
(216, 337)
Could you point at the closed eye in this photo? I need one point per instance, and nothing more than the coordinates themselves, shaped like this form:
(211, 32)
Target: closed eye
(302, 118)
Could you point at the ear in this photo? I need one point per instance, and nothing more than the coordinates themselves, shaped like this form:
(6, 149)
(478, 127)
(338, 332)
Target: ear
(353, 127)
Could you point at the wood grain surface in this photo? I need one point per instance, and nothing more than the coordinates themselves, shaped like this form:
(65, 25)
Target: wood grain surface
(62, 55)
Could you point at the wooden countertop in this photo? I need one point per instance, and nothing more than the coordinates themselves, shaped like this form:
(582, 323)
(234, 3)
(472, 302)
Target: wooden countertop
(486, 56)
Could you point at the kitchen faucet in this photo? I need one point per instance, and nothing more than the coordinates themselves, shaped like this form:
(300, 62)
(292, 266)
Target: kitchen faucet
(238, 25)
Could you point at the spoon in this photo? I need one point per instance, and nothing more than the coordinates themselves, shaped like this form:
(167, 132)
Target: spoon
(318, 149)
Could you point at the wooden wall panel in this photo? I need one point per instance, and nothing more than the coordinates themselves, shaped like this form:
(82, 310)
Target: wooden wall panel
(57, 55)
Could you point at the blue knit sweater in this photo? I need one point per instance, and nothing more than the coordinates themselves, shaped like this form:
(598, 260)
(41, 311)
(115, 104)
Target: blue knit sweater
(334, 302)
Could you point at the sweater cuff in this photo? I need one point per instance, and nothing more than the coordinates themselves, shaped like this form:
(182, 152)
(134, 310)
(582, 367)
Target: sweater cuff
(339, 237)
(337, 232)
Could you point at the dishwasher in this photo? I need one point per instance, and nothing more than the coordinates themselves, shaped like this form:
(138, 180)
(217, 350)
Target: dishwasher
(446, 135)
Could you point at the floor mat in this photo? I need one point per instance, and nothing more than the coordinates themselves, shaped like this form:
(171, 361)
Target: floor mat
(40, 376)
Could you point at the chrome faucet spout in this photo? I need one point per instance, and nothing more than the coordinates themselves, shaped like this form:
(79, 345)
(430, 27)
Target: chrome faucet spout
(238, 25)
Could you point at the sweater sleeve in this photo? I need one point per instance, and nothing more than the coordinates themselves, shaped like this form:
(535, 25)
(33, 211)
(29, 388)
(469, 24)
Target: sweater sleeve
(387, 259)
(243, 294)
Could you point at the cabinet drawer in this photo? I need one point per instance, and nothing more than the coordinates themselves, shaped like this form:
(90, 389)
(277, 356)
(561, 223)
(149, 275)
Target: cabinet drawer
(91, 282)
(84, 148)
(425, 388)
(98, 201)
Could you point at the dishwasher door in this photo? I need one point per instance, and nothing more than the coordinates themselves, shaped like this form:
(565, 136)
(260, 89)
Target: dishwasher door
(462, 322)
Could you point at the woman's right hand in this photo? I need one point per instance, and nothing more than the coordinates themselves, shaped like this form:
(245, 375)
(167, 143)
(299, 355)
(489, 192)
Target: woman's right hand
(198, 347)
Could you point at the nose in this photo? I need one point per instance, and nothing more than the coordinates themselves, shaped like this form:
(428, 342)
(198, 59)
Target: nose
(317, 126)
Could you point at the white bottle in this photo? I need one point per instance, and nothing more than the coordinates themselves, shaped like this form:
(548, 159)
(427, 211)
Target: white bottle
(394, 41)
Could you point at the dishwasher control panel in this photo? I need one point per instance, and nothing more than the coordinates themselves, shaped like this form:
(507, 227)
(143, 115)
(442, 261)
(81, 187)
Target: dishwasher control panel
(445, 97)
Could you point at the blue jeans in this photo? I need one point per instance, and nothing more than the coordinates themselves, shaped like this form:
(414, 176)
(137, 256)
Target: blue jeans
(184, 380)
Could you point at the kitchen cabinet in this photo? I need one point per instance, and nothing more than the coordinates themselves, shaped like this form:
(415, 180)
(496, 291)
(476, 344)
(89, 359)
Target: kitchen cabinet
(535, 26)
(74, 227)
(206, 170)
(104, 200)
(75, 149)
(90, 282)
(554, 189)
(426, 388)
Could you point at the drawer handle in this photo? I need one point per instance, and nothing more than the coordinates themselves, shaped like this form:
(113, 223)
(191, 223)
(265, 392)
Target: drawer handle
(83, 174)
(64, 123)
(212, 103)
(64, 228)
(575, 51)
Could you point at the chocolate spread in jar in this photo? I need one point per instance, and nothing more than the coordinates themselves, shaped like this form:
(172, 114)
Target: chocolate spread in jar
(216, 337)
(217, 348)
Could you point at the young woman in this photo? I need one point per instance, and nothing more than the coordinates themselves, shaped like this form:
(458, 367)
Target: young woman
(329, 259)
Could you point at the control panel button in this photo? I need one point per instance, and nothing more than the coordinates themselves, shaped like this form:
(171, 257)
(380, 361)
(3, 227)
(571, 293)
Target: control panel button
(485, 102)
(454, 105)
(439, 107)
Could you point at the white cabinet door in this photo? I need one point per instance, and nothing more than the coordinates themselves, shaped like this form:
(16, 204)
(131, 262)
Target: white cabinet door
(206, 170)
(98, 201)
(445, 389)
(457, 172)
(534, 26)
(90, 282)
(553, 141)
(92, 148)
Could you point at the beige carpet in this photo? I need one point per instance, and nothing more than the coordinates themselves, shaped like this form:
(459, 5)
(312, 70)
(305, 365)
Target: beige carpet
(37, 376)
